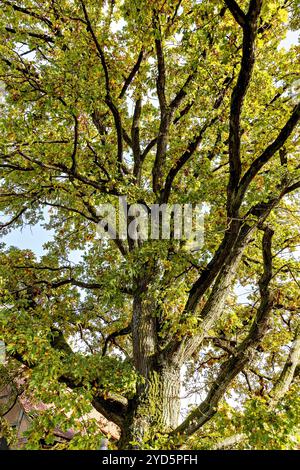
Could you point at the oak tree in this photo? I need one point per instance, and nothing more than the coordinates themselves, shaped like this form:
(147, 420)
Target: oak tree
(161, 102)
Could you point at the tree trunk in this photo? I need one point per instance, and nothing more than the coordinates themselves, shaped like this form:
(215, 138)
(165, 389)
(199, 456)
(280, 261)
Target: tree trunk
(156, 406)
(155, 409)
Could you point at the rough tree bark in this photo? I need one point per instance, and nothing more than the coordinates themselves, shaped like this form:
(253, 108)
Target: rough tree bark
(156, 405)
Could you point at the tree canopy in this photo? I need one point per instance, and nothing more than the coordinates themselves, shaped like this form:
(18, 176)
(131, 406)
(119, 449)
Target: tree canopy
(161, 101)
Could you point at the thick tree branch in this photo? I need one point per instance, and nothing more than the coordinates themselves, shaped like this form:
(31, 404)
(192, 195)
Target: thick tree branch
(135, 138)
(72, 281)
(268, 153)
(182, 93)
(43, 37)
(161, 68)
(14, 219)
(288, 372)
(230, 442)
(236, 11)
(165, 193)
(184, 111)
(162, 138)
(244, 352)
(132, 74)
(112, 407)
(219, 273)
(73, 156)
(293, 187)
(108, 99)
(76, 175)
(173, 172)
(237, 99)
(222, 278)
(149, 147)
(116, 334)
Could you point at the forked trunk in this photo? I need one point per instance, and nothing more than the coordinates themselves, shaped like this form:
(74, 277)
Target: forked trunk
(156, 406)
